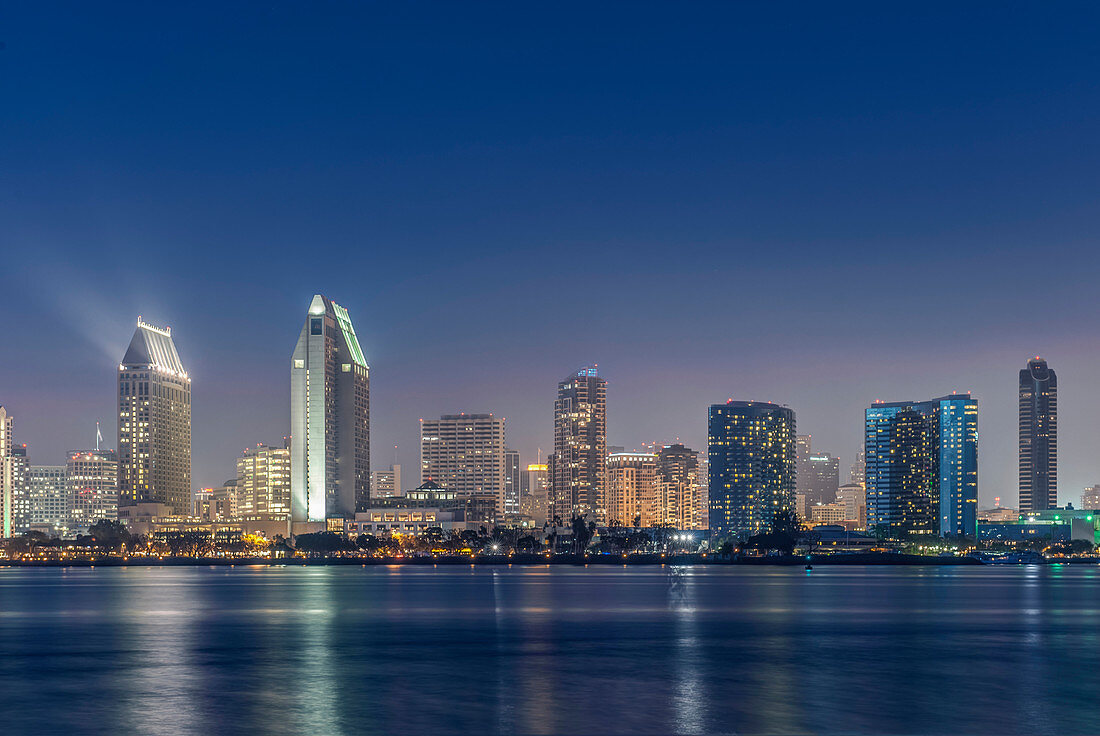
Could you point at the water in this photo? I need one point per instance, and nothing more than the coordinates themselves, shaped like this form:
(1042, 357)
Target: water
(339, 650)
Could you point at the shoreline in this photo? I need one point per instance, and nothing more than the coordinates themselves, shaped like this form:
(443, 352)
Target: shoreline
(525, 560)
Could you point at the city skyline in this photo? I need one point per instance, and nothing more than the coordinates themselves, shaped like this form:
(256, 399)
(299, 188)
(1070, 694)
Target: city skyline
(674, 181)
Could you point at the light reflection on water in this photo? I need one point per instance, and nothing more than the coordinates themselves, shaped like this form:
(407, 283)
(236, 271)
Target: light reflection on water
(342, 650)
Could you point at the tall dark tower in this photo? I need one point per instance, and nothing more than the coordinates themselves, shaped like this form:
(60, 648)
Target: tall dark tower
(1038, 437)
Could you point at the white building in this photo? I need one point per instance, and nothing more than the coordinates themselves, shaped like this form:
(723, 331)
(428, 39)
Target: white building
(464, 453)
(47, 498)
(92, 477)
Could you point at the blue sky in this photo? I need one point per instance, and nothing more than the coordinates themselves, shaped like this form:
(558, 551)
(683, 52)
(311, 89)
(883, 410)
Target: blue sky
(816, 205)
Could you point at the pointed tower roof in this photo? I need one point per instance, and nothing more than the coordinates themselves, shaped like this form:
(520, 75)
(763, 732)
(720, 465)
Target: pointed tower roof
(152, 346)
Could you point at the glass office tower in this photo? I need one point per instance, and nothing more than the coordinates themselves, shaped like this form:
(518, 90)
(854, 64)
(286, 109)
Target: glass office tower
(1038, 437)
(922, 466)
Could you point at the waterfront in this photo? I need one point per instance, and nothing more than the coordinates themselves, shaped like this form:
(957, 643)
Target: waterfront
(549, 649)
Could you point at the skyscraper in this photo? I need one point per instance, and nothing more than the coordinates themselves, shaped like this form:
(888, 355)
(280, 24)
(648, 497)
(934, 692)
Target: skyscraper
(154, 422)
(465, 453)
(534, 500)
(386, 483)
(632, 489)
(922, 466)
(818, 473)
(678, 489)
(1038, 437)
(580, 446)
(512, 481)
(92, 477)
(263, 481)
(11, 476)
(751, 454)
(329, 417)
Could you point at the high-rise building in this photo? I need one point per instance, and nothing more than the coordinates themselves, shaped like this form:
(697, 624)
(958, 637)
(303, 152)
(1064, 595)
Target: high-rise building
(13, 478)
(154, 422)
(1090, 498)
(329, 417)
(512, 481)
(580, 446)
(632, 489)
(464, 453)
(854, 498)
(702, 475)
(47, 499)
(92, 477)
(858, 471)
(751, 452)
(922, 466)
(818, 477)
(1038, 437)
(678, 489)
(535, 501)
(263, 481)
(386, 483)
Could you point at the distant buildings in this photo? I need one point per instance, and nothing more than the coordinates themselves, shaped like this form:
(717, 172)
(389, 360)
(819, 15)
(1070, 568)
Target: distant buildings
(818, 474)
(922, 466)
(92, 480)
(386, 483)
(751, 452)
(632, 489)
(154, 422)
(1038, 437)
(329, 417)
(858, 472)
(1090, 498)
(535, 494)
(263, 481)
(579, 461)
(854, 498)
(465, 453)
(679, 487)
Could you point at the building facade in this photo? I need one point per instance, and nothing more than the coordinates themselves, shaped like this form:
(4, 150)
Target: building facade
(632, 489)
(535, 496)
(1038, 437)
(47, 498)
(154, 422)
(464, 453)
(579, 462)
(386, 483)
(92, 480)
(329, 417)
(13, 478)
(922, 466)
(263, 481)
(513, 481)
(1090, 498)
(751, 456)
(678, 487)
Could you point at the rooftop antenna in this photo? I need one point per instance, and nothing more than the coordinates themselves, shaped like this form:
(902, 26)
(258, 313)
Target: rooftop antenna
(98, 437)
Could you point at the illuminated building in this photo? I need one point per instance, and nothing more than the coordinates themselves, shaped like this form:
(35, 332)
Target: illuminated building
(93, 486)
(386, 483)
(1038, 437)
(47, 498)
(13, 471)
(512, 481)
(854, 498)
(263, 481)
(578, 482)
(678, 487)
(1090, 498)
(534, 498)
(464, 453)
(828, 513)
(632, 489)
(154, 422)
(751, 455)
(922, 466)
(329, 417)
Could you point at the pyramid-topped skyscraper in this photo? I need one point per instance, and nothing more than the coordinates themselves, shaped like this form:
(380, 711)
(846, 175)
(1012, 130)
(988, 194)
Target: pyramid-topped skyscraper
(329, 417)
(154, 422)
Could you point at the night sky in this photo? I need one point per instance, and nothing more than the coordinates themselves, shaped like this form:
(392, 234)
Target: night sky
(819, 205)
